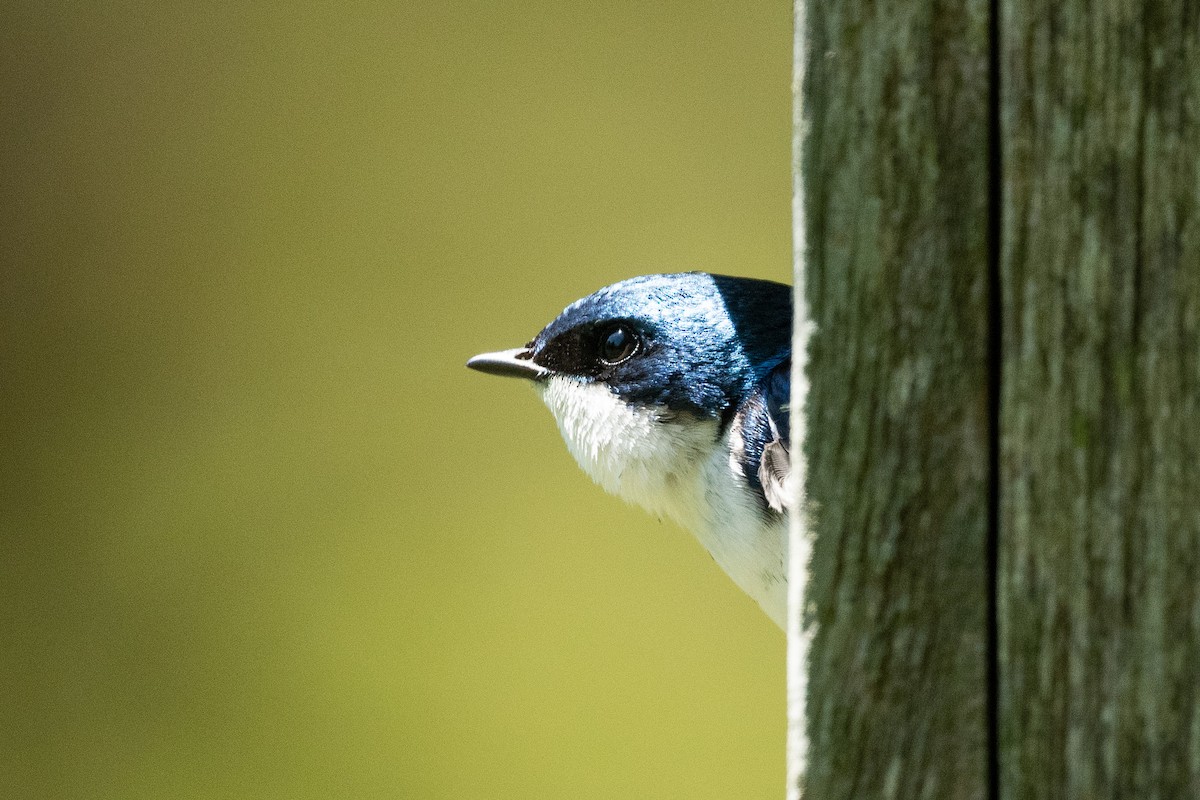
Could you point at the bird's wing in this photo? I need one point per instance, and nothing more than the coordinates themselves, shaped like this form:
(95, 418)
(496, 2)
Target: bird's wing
(776, 464)
(763, 430)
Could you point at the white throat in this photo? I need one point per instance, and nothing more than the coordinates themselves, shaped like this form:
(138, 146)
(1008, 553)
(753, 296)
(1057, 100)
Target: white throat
(631, 452)
(678, 470)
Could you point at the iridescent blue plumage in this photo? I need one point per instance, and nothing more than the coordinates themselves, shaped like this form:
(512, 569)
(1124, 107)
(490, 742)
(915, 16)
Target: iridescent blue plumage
(709, 339)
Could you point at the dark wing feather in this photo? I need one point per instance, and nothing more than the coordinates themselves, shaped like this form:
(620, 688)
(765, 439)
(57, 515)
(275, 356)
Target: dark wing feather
(764, 429)
(776, 465)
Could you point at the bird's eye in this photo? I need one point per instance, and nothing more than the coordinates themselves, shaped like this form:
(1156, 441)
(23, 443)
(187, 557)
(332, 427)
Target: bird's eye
(617, 343)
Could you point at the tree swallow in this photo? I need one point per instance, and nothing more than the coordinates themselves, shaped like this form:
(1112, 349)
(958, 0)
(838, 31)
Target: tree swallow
(671, 392)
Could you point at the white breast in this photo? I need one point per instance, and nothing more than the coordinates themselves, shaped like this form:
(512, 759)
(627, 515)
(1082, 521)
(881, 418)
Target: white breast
(676, 468)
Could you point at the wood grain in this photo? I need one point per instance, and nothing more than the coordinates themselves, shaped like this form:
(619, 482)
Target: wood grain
(1100, 484)
(896, 176)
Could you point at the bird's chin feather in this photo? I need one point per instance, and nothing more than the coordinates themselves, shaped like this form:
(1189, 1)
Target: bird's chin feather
(675, 466)
(647, 456)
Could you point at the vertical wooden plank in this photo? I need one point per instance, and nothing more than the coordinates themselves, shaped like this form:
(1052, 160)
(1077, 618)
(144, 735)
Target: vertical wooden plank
(896, 175)
(1100, 445)
(800, 532)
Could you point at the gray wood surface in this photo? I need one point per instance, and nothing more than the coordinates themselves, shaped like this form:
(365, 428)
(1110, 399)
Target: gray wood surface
(1098, 252)
(896, 175)
(1100, 492)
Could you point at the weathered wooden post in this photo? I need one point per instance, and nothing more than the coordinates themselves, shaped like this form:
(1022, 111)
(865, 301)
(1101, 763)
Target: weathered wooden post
(1001, 253)
(1099, 572)
(895, 173)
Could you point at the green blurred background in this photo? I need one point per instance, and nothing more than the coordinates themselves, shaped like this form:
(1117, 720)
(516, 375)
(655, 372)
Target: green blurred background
(261, 534)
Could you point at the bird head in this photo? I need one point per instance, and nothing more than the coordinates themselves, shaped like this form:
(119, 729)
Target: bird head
(642, 375)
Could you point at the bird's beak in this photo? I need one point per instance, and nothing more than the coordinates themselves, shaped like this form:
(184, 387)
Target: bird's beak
(515, 363)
